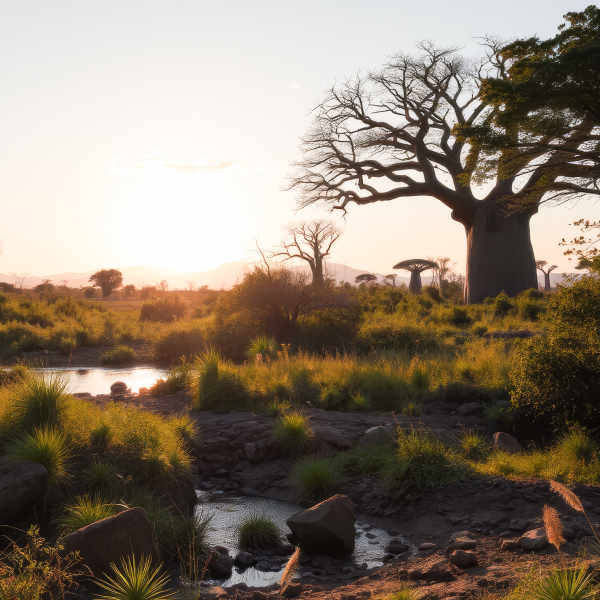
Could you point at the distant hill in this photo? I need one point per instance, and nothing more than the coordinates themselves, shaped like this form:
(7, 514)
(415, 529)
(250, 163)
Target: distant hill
(224, 276)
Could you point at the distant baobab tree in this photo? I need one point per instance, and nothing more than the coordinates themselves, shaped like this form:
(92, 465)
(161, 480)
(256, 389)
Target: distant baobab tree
(416, 266)
(20, 279)
(540, 264)
(191, 285)
(390, 279)
(367, 278)
(108, 280)
(310, 241)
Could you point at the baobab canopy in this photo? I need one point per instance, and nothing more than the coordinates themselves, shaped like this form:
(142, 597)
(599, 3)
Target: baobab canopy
(416, 266)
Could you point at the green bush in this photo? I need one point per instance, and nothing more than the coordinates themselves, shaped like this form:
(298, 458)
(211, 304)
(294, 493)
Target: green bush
(330, 330)
(215, 385)
(180, 340)
(456, 315)
(472, 445)
(263, 348)
(13, 375)
(83, 512)
(168, 308)
(118, 355)
(177, 379)
(421, 462)
(293, 432)
(501, 304)
(316, 478)
(90, 292)
(257, 530)
(578, 446)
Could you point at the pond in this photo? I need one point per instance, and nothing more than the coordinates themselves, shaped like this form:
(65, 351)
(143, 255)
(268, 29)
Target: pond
(228, 510)
(97, 380)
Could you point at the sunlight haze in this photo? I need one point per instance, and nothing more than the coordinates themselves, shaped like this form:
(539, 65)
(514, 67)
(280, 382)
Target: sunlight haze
(160, 133)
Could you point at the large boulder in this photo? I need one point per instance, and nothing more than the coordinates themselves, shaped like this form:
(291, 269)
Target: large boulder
(118, 388)
(375, 436)
(21, 486)
(536, 539)
(220, 565)
(506, 442)
(327, 527)
(111, 539)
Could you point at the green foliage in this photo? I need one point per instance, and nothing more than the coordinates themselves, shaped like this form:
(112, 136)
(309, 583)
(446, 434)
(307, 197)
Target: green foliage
(404, 593)
(100, 437)
(180, 339)
(578, 446)
(84, 511)
(472, 445)
(501, 304)
(566, 584)
(293, 432)
(48, 447)
(108, 280)
(177, 379)
(457, 315)
(316, 478)
(257, 530)
(36, 401)
(99, 475)
(135, 580)
(36, 570)
(119, 355)
(216, 385)
(365, 461)
(263, 348)
(330, 329)
(13, 375)
(167, 308)
(421, 462)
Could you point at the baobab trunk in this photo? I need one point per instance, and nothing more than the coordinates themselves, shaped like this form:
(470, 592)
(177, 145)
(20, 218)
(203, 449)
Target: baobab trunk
(547, 284)
(415, 282)
(318, 278)
(499, 252)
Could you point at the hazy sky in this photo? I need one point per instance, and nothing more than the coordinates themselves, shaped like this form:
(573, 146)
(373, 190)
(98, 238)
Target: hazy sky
(147, 132)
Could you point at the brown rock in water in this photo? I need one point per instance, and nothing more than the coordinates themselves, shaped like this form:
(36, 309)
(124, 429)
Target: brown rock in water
(109, 540)
(119, 387)
(220, 566)
(21, 486)
(506, 442)
(327, 527)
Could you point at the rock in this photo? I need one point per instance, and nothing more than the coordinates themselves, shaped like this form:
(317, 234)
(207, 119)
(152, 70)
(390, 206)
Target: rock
(396, 547)
(468, 408)
(220, 566)
(291, 590)
(246, 491)
(207, 486)
(568, 534)
(243, 559)
(463, 559)
(327, 527)
(509, 545)
(438, 570)
(459, 534)
(518, 525)
(221, 473)
(375, 436)
(21, 486)
(283, 549)
(536, 539)
(221, 550)
(332, 436)
(506, 442)
(81, 395)
(119, 387)
(250, 451)
(427, 547)
(111, 539)
(462, 544)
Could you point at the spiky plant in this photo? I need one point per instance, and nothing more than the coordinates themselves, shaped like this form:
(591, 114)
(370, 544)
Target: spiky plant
(567, 585)
(293, 432)
(99, 475)
(135, 581)
(85, 511)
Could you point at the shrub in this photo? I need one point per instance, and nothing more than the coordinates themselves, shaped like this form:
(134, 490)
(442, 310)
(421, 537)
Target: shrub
(179, 340)
(432, 292)
(456, 315)
(83, 512)
(293, 432)
(135, 581)
(579, 446)
(501, 304)
(14, 375)
(257, 530)
(530, 309)
(90, 292)
(263, 348)
(99, 475)
(330, 330)
(165, 309)
(49, 448)
(421, 462)
(118, 355)
(100, 437)
(472, 445)
(479, 328)
(216, 386)
(177, 379)
(37, 401)
(186, 429)
(316, 478)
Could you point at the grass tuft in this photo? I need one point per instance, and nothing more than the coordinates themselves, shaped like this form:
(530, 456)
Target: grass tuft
(258, 530)
(99, 475)
(85, 511)
(316, 478)
(119, 355)
(293, 432)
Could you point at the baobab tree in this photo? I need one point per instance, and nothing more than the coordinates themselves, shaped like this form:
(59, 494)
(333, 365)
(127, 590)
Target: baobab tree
(540, 264)
(415, 266)
(310, 241)
(390, 279)
(395, 133)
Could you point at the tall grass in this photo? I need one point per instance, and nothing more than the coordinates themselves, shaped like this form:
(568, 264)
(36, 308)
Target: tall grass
(293, 432)
(257, 530)
(84, 511)
(316, 478)
(48, 447)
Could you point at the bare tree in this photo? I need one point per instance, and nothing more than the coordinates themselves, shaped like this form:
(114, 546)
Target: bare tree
(392, 135)
(191, 285)
(311, 242)
(540, 264)
(20, 278)
(162, 286)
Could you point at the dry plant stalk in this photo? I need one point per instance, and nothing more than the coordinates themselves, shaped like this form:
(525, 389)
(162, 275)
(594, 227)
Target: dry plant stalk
(553, 526)
(290, 568)
(567, 495)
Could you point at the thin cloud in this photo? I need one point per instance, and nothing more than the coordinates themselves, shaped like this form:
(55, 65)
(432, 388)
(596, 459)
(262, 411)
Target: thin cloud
(204, 166)
(117, 157)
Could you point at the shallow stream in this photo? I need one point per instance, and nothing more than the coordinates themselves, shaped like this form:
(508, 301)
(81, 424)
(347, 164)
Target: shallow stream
(229, 510)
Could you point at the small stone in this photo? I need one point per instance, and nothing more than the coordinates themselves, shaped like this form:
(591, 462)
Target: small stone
(222, 550)
(462, 544)
(244, 559)
(396, 547)
(536, 539)
(509, 546)
(221, 473)
(459, 534)
(587, 504)
(518, 525)
(427, 547)
(463, 559)
(371, 536)
(468, 408)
